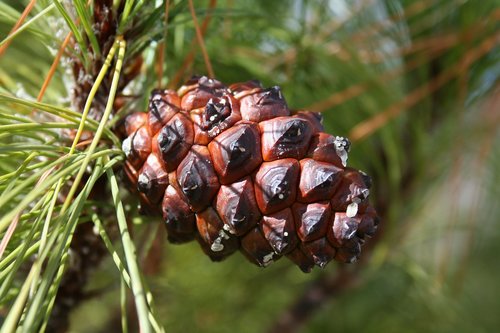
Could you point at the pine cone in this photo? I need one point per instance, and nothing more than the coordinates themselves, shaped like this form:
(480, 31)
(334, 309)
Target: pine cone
(235, 169)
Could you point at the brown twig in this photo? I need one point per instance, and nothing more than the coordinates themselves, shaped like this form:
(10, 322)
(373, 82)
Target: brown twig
(20, 21)
(201, 41)
(410, 11)
(433, 48)
(159, 62)
(371, 125)
(53, 67)
(188, 60)
(162, 47)
(360, 37)
(357, 89)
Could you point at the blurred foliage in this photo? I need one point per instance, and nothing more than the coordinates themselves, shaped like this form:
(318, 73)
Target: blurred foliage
(413, 83)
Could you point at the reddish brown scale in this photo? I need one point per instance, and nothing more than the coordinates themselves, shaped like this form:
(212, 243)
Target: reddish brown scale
(342, 229)
(197, 179)
(324, 149)
(263, 104)
(257, 249)
(353, 188)
(305, 262)
(368, 224)
(350, 252)
(315, 118)
(198, 91)
(163, 105)
(236, 152)
(284, 137)
(243, 89)
(137, 147)
(320, 251)
(312, 220)
(153, 179)
(179, 219)
(318, 180)
(174, 140)
(219, 114)
(279, 230)
(134, 121)
(131, 175)
(275, 185)
(237, 207)
(346, 234)
(363, 206)
(145, 207)
(172, 180)
(214, 240)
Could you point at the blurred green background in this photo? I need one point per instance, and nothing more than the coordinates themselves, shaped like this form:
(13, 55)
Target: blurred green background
(415, 85)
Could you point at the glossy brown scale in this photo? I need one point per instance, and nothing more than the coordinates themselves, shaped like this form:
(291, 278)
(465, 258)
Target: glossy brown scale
(174, 140)
(315, 118)
(256, 248)
(279, 230)
(134, 121)
(305, 262)
(368, 224)
(275, 185)
(131, 175)
(320, 251)
(324, 149)
(353, 188)
(145, 206)
(153, 179)
(172, 180)
(237, 207)
(318, 180)
(214, 240)
(218, 115)
(350, 252)
(236, 152)
(197, 95)
(264, 104)
(189, 84)
(285, 137)
(197, 179)
(137, 147)
(179, 219)
(163, 105)
(243, 89)
(366, 179)
(342, 229)
(312, 220)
